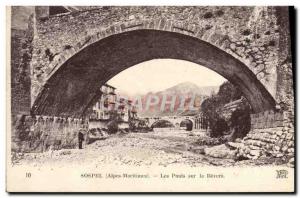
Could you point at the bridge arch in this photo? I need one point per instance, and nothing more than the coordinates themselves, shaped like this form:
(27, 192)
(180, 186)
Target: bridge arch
(188, 124)
(74, 77)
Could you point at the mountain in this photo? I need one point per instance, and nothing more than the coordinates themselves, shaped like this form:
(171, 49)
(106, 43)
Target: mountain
(153, 102)
(188, 87)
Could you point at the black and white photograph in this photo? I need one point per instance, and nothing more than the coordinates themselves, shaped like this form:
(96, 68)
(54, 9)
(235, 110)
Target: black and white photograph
(150, 99)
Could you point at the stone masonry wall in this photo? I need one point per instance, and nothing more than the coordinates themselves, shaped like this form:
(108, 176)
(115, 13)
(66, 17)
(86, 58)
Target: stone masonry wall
(285, 89)
(41, 133)
(21, 54)
(272, 134)
(20, 72)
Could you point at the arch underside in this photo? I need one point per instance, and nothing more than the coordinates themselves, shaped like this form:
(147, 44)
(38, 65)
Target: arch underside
(184, 122)
(73, 87)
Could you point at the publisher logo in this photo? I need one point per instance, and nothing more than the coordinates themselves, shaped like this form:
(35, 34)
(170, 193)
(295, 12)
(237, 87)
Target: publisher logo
(282, 174)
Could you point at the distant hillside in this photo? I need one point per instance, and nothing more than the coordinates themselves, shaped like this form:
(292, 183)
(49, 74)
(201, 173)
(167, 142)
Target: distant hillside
(188, 90)
(188, 87)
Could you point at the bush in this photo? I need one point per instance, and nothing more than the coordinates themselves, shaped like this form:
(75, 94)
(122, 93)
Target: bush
(208, 141)
(240, 121)
(218, 127)
(113, 126)
(212, 107)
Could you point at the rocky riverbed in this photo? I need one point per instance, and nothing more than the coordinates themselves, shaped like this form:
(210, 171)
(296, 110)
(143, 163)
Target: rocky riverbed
(162, 148)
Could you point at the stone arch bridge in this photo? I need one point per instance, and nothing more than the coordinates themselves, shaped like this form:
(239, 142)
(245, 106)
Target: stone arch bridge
(196, 121)
(59, 60)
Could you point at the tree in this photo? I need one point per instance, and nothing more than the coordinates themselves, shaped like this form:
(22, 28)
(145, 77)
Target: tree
(212, 109)
(228, 93)
(241, 121)
(219, 127)
(115, 119)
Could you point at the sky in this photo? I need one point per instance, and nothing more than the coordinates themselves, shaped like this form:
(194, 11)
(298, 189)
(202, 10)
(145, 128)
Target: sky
(159, 74)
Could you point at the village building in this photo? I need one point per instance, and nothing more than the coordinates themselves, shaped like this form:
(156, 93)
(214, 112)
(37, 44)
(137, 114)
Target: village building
(105, 104)
(110, 104)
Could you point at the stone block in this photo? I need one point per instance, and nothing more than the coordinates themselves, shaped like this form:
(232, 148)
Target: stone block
(284, 148)
(255, 152)
(276, 148)
(289, 136)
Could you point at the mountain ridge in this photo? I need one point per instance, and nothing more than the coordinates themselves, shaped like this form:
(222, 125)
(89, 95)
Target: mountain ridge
(185, 89)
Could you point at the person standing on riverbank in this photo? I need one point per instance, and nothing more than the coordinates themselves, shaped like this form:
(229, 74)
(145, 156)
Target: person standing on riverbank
(80, 137)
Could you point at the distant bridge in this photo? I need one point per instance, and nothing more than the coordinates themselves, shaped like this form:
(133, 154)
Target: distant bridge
(198, 122)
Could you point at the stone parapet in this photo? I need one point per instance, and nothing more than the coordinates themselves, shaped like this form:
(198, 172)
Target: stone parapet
(42, 133)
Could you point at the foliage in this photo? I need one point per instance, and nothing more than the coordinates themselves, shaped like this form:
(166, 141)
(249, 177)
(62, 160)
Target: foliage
(133, 124)
(228, 92)
(241, 121)
(113, 125)
(211, 107)
(209, 141)
(219, 127)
